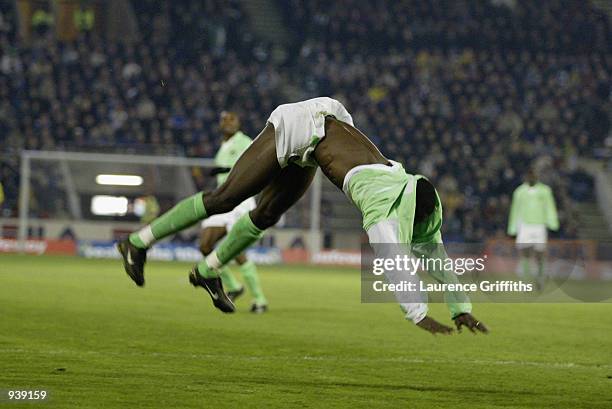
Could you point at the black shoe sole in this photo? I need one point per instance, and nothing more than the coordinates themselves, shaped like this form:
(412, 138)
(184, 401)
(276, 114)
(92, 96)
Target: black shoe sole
(227, 308)
(138, 279)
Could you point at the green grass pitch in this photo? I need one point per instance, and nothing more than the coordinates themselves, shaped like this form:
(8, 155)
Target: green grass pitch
(81, 330)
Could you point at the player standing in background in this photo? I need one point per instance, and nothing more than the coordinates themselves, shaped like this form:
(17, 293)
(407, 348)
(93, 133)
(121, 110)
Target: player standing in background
(398, 208)
(532, 211)
(216, 227)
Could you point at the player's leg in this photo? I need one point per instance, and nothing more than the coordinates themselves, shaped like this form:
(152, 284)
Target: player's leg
(248, 177)
(209, 237)
(248, 269)
(284, 190)
(541, 277)
(525, 262)
(539, 250)
(539, 259)
(255, 168)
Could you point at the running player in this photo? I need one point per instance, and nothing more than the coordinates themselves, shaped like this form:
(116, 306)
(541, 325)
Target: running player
(397, 207)
(214, 228)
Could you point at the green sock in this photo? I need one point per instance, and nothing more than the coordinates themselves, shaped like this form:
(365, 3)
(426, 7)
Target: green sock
(205, 271)
(242, 235)
(229, 281)
(251, 280)
(184, 214)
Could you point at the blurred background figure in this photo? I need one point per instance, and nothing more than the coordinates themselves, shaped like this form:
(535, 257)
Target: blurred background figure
(84, 17)
(42, 19)
(233, 144)
(146, 208)
(532, 212)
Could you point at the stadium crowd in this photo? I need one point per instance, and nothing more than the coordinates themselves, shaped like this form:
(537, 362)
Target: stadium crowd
(468, 93)
(482, 90)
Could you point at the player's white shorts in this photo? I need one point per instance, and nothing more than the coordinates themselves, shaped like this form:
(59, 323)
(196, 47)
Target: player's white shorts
(298, 127)
(228, 219)
(532, 236)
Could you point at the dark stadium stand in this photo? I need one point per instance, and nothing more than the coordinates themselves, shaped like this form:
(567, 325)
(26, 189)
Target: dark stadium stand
(466, 92)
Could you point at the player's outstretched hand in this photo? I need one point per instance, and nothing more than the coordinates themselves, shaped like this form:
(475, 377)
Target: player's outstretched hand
(468, 320)
(433, 326)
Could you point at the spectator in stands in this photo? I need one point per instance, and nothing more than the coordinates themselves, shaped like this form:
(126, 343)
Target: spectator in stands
(84, 17)
(42, 19)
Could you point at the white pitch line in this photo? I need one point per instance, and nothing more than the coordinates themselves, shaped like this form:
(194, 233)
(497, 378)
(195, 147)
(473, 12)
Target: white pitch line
(560, 365)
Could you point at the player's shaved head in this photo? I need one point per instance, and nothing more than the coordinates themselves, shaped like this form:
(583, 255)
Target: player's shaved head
(229, 122)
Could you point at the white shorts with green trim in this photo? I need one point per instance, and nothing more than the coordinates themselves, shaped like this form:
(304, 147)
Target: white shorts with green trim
(299, 127)
(228, 219)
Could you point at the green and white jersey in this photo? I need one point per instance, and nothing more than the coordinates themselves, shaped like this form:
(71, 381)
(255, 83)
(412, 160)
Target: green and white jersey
(533, 205)
(229, 152)
(383, 192)
(386, 197)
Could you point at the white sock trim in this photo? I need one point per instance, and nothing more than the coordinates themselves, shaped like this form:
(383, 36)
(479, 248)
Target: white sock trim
(146, 235)
(213, 261)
